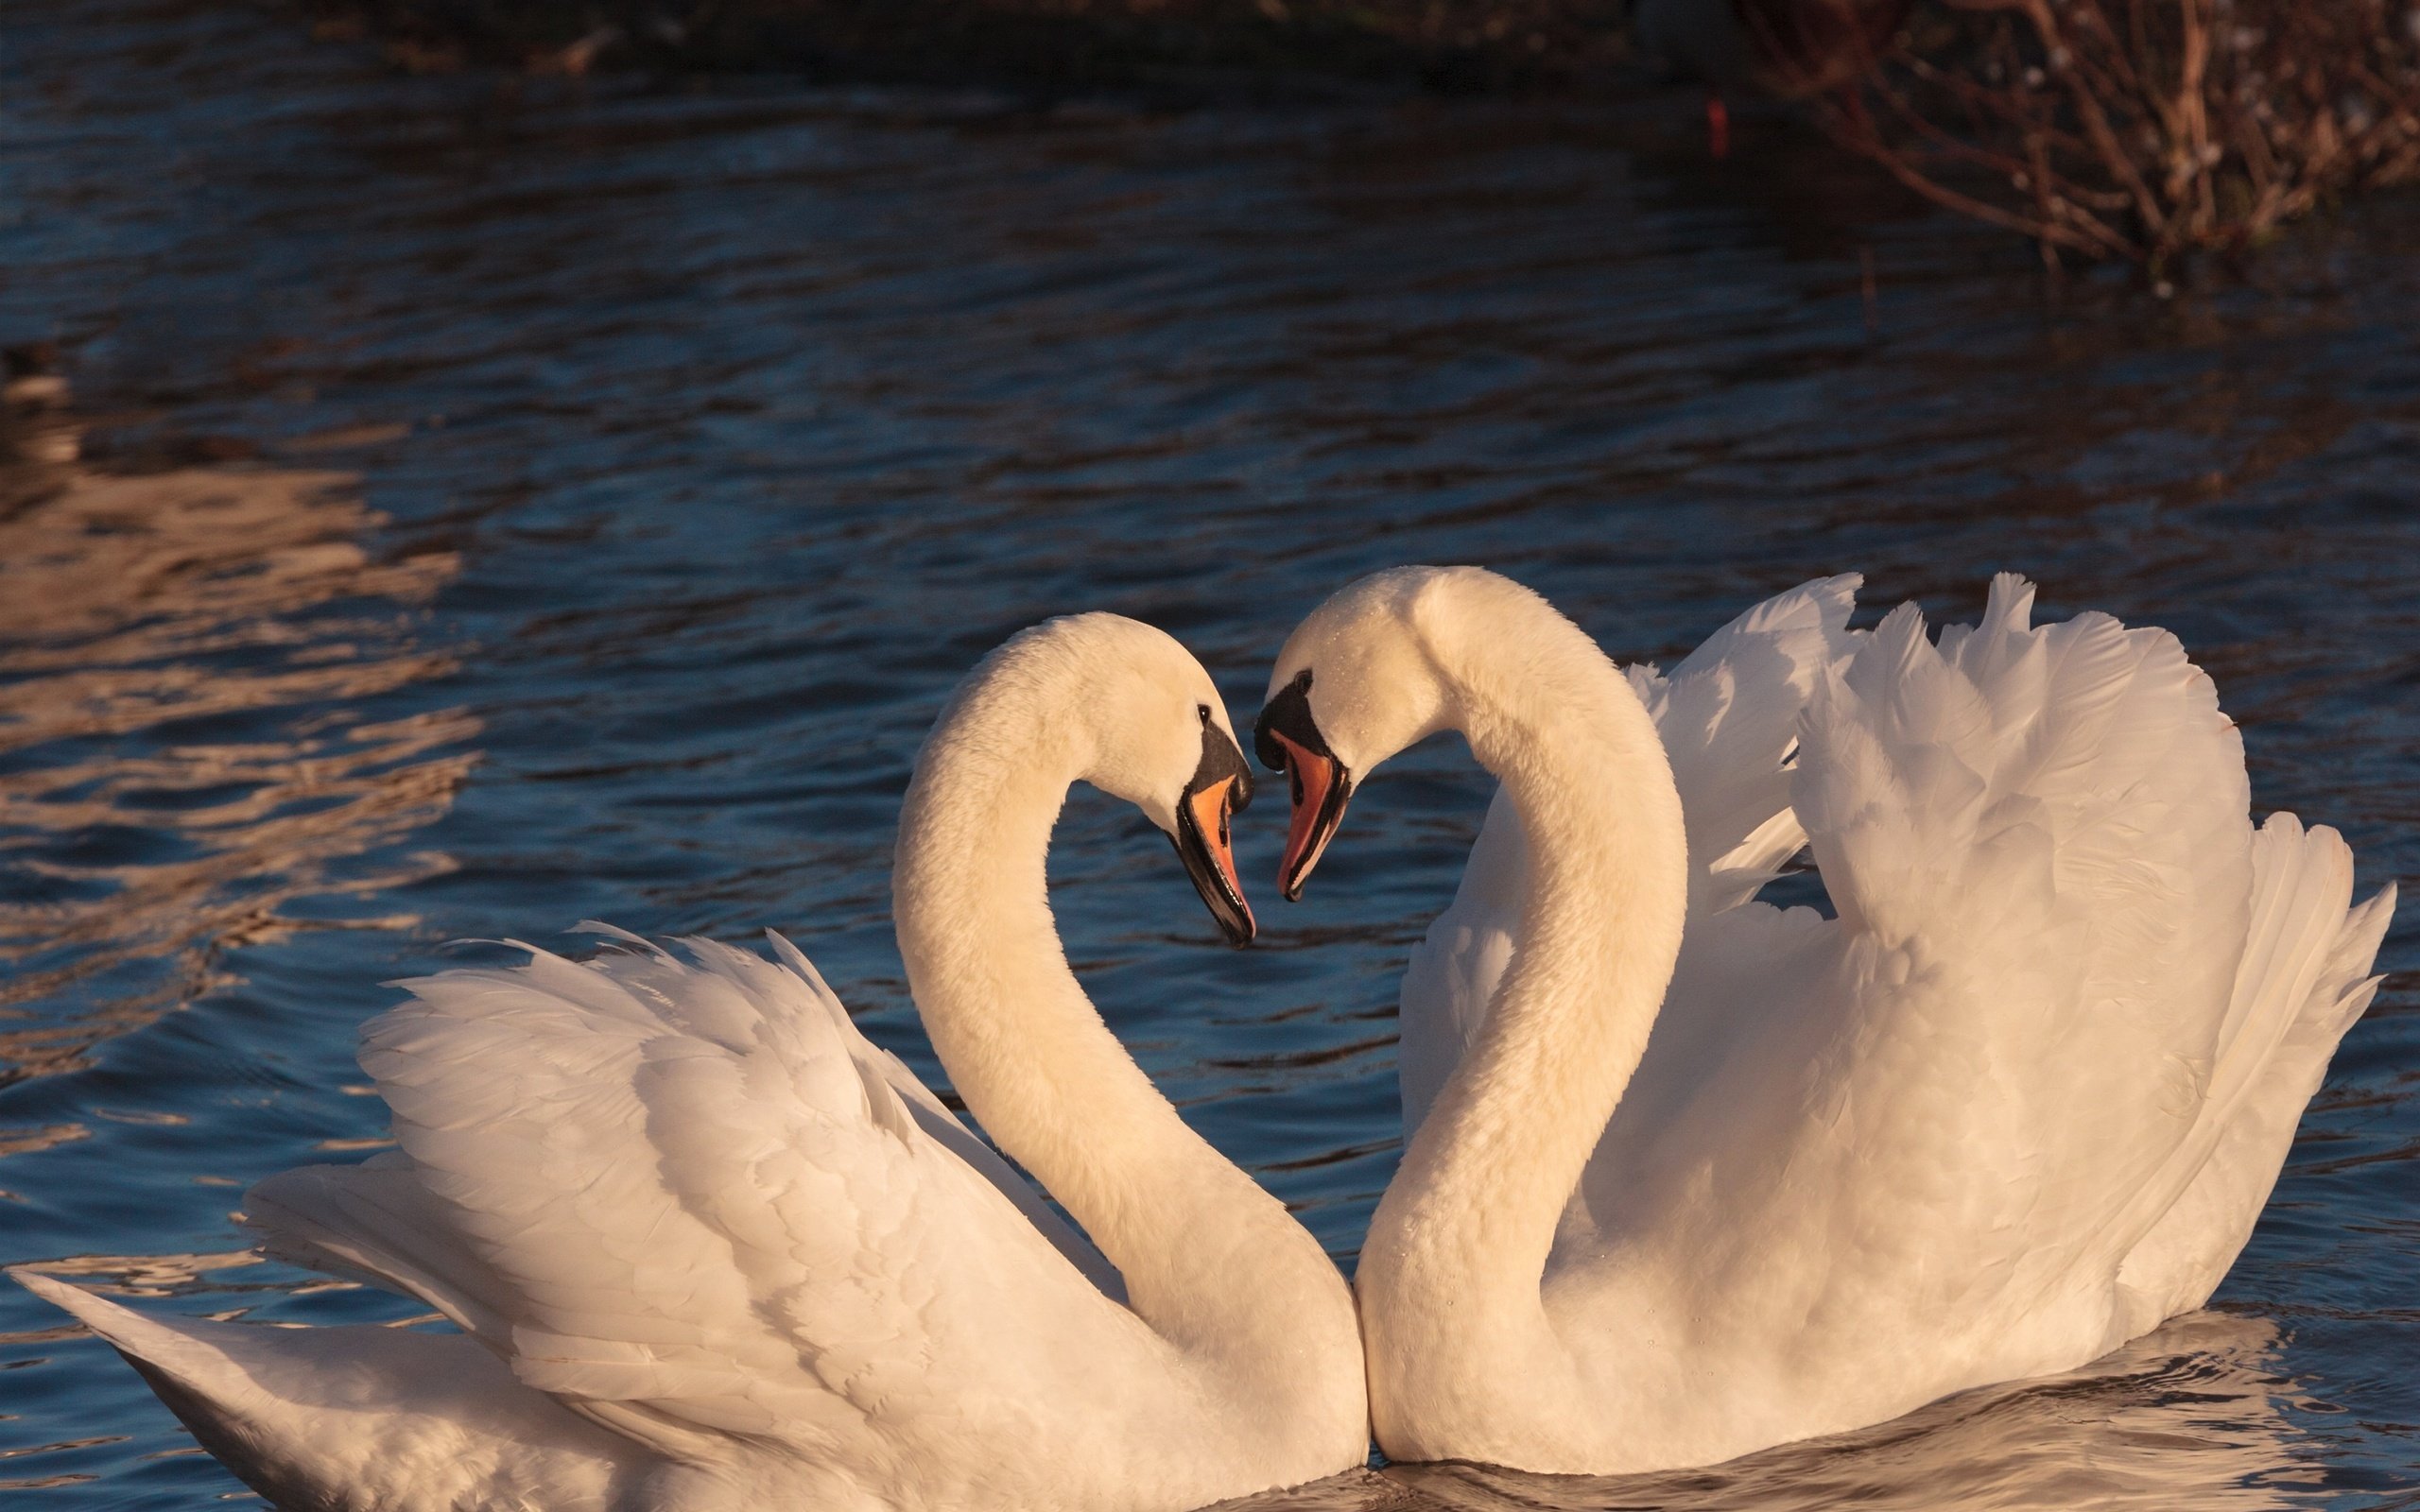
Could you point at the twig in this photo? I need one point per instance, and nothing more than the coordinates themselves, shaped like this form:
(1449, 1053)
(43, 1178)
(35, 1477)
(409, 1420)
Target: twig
(2182, 125)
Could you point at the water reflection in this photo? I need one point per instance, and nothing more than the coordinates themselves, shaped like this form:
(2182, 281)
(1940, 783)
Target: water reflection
(2192, 1416)
(183, 751)
(148, 1275)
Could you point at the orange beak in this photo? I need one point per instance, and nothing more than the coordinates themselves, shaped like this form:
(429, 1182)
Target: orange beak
(1205, 842)
(1321, 788)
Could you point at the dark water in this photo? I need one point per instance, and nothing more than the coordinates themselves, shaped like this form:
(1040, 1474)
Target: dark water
(505, 504)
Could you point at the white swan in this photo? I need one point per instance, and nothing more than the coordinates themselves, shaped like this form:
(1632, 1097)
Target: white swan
(709, 1248)
(2023, 1099)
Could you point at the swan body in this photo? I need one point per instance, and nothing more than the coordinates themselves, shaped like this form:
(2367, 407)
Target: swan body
(707, 1248)
(1688, 1174)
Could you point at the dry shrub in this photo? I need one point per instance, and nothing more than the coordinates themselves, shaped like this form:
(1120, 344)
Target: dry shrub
(2141, 128)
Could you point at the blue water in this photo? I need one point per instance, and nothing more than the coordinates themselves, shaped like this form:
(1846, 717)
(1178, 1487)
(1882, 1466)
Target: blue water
(501, 503)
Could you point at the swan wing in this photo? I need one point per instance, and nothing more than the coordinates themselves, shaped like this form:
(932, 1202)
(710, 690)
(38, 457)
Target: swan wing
(2037, 844)
(1729, 714)
(377, 1223)
(686, 1199)
(1967, 1097)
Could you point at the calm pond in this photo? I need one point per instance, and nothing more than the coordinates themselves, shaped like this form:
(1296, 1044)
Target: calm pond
(504, 503)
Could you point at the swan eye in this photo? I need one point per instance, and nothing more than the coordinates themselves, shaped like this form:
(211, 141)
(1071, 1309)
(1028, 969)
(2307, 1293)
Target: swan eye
(1203, 710)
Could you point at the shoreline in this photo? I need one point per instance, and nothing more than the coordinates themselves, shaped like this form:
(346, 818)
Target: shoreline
(1214, 48)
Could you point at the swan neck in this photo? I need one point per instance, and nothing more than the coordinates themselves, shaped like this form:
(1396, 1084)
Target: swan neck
(1209, 1260)
(1490, 1172)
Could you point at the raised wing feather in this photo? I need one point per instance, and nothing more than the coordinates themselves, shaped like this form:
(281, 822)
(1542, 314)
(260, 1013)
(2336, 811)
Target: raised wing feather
(1728, 713)
(1968, 1096)
(690, 1201)
(2037, 842)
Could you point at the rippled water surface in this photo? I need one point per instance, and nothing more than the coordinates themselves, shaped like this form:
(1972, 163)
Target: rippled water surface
(502, 503)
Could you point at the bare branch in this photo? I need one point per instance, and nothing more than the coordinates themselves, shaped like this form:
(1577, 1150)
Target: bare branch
(2179, 125)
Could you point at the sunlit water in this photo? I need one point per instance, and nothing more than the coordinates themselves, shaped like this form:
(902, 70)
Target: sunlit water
(506, 503)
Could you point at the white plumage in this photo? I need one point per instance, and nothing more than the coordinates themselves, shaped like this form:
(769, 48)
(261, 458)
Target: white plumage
(710, 1248)
(2020, 1101)
(1688, 1173)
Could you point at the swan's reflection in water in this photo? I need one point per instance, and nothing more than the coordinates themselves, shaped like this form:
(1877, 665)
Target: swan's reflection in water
(185, 657)
(2190, 1417)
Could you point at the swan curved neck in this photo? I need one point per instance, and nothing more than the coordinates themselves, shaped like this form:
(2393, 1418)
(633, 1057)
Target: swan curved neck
(1210, 1260)
(1472, 1213)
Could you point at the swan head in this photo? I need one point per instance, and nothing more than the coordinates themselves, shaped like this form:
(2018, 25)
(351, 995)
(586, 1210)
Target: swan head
(1357, 682)
(1147, 724)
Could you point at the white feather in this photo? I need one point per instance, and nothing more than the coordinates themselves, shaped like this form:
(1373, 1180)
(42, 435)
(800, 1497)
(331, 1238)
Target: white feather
(710, 1248)
(2021, 1100)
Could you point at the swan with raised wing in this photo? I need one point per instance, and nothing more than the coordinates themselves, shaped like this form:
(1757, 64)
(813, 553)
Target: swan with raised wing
(1688, 1174)
(707, 1248)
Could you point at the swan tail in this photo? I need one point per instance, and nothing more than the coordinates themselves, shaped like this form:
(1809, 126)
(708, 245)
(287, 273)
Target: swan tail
(341, 1418)
(2304, 980)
